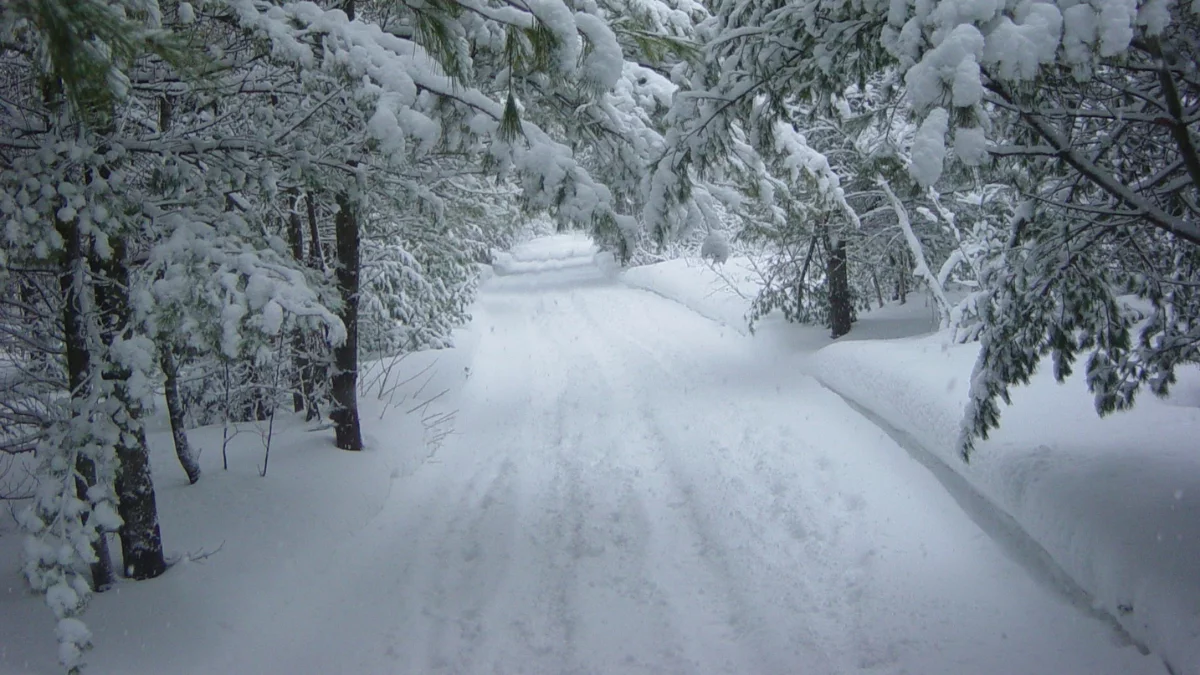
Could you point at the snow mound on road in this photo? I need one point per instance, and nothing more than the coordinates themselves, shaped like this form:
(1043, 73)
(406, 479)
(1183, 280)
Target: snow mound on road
(555, 247)
(544, 254)
(1115, 501)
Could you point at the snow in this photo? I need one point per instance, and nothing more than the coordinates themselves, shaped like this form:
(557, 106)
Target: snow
(967, 87)
(545, 254)
(1116, 25)
(1018, 49)
(722, 296)
(715, 247)
(929, 148)
(1105, 502)
(1098, 495)
(605, 63)
(628, 487)
(970, 145)
(1079, 33)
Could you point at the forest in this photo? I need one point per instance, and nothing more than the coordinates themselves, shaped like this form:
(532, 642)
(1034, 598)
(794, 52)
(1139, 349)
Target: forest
(223, 208)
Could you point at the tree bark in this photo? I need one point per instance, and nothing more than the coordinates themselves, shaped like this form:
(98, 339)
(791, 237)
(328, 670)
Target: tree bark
(345, 356)
(812, 247)
(295, 233)
(78, 363)
(304, 394)
(841, 304)
(878, 288)
(166, 357)
(141, 538)
(316, 257)
(901, 270)
(314, 371)
(175, 413)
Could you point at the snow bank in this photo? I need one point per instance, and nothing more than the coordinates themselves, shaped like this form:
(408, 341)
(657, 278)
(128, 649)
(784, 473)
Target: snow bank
(1115, 502)
(555, 247)
(545, 254)
(503, 264)
(722, 293)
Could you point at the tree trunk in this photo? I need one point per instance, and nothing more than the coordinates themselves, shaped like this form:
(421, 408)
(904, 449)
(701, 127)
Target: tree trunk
(141, 539)
(314, 371)
(255, 407)
(183, 449)
(878, 288)
(295, 232)
(316, 257)
(841, 304)
(304, 393)
(345, 356)
(812, 248)
(901, 270)
(78, 363)
(166, 358)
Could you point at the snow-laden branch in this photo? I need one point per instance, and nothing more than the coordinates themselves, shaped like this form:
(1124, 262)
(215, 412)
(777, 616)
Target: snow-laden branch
(921, 267)
(800, 156)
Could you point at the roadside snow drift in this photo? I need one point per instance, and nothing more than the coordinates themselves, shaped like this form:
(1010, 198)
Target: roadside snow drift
(1114, 501)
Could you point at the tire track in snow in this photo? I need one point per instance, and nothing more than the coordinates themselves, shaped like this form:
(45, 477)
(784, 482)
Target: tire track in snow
(701, 481)
(613, 603)
(534, 640)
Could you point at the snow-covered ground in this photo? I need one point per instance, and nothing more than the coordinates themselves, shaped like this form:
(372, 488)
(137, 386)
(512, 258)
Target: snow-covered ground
(1114, 501)
(1111, 507)
(630, 488)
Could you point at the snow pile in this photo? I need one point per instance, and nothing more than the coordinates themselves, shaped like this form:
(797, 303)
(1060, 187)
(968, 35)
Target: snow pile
(546, 254)
(1115, 502)
(722, 295)
(555, 247)
(503, 263)
(556, 252)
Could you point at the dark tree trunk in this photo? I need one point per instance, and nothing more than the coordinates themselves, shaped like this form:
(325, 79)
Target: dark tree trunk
(878, 288)
(314, 372)
(900, 265)
(304, 396)
(295, 232)
(26, 292)
(175, 412)
(841, 304)
(141, 539)
(166, 112)
(345, 356)
(71, 280)
(316, 257)
(812, 247)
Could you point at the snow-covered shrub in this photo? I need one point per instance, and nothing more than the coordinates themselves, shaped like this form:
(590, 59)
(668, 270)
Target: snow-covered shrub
(715, 247)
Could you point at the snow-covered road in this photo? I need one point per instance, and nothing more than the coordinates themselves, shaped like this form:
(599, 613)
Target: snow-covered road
(635, 489)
